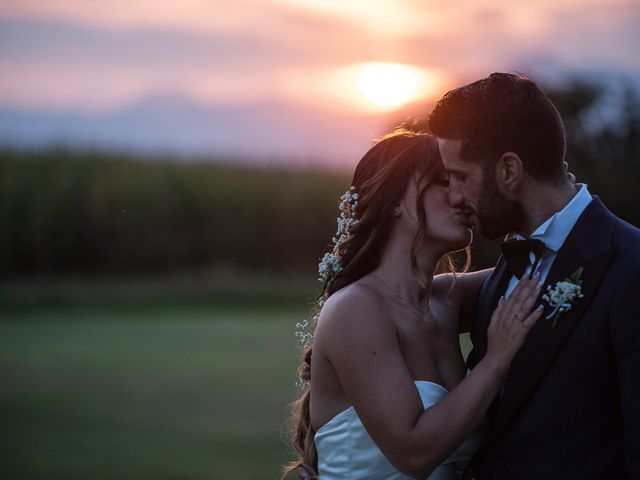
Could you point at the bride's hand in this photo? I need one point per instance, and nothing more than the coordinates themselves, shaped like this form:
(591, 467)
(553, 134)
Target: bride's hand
(512, 320)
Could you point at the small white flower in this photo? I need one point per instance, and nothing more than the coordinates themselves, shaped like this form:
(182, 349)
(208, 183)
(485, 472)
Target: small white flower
(305, 330)
(330, 265)
(562, 297)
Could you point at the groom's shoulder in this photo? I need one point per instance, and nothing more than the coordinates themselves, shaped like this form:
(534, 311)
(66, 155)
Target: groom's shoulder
(625, 243)
(626, 236)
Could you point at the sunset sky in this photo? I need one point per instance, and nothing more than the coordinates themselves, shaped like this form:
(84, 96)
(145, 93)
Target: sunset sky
(277, 78)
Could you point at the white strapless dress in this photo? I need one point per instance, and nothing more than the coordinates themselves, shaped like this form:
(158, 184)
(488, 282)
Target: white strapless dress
(346, 451)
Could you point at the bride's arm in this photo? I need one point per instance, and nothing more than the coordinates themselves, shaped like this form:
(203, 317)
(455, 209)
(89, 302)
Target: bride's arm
(461, 292)
(362, 345)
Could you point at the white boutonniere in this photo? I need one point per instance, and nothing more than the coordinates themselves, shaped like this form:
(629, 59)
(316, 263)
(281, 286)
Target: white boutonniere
(562, 297)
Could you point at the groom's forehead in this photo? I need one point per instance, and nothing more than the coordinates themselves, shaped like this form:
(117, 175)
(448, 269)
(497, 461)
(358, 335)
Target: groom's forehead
(449, 148)
(450, 151)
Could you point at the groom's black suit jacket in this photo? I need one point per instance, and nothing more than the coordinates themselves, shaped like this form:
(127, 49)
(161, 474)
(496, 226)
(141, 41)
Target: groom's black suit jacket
(570, 405)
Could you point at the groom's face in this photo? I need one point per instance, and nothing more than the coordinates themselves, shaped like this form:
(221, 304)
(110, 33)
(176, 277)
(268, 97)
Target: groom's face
(475, 191)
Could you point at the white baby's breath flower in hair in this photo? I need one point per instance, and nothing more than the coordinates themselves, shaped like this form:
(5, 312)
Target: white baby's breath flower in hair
(331, 264)
(328, 266)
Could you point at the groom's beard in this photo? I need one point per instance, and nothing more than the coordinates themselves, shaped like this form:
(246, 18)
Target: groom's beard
(497, 214)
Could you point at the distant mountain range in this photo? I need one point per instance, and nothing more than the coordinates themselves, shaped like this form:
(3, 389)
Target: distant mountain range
(175, 125)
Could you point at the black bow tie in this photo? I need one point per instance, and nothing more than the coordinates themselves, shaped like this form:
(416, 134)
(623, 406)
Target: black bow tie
(516, 254)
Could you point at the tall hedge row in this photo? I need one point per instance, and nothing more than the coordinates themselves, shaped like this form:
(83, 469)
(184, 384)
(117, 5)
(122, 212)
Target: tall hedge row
(63, 212)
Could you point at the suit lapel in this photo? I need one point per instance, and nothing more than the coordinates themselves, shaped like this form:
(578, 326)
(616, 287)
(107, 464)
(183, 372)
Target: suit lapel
(585, 247)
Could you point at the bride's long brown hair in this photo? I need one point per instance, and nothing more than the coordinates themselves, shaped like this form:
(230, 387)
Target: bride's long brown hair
(381, 179)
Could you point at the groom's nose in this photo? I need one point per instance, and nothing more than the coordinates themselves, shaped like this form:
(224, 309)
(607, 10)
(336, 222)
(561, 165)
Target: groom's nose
(456, 199)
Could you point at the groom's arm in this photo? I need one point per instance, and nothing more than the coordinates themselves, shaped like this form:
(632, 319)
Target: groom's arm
(471, 283)
(461, 291)
(478, 326)
(625, 333)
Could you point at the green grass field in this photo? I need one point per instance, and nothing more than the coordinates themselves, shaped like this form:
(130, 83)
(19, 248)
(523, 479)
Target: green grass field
(97, 391)
(136, 393)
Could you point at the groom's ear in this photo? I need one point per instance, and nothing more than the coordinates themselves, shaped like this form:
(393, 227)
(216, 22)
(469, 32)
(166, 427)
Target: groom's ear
(509, 172)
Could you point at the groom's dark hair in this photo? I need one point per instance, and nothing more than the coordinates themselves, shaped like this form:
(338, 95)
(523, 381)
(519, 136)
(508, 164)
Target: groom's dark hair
(504, 112)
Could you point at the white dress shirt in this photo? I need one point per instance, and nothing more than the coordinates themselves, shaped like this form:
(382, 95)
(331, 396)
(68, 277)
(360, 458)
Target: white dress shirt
(553, 232)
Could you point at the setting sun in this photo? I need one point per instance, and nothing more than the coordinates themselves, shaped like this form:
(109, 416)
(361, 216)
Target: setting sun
(378, 87)
(388, 84)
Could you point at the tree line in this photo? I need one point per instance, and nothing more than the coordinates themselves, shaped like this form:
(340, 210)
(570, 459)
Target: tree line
(71, 212)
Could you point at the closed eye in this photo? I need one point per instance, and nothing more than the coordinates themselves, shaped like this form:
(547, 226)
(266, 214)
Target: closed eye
(443, 182)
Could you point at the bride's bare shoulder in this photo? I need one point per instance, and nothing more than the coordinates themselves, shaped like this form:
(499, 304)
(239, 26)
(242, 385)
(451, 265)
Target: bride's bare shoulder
(355, 306)
(353, 320)
(357, 296)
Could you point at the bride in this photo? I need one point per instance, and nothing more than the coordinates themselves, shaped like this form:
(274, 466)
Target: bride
(387, 393)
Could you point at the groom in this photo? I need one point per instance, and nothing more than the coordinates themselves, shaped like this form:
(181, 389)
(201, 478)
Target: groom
(570, 405)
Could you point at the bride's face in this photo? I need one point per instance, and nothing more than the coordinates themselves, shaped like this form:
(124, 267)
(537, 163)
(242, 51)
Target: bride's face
(445, 226)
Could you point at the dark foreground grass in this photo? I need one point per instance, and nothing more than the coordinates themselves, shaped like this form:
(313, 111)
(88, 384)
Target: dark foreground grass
(130, 393)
